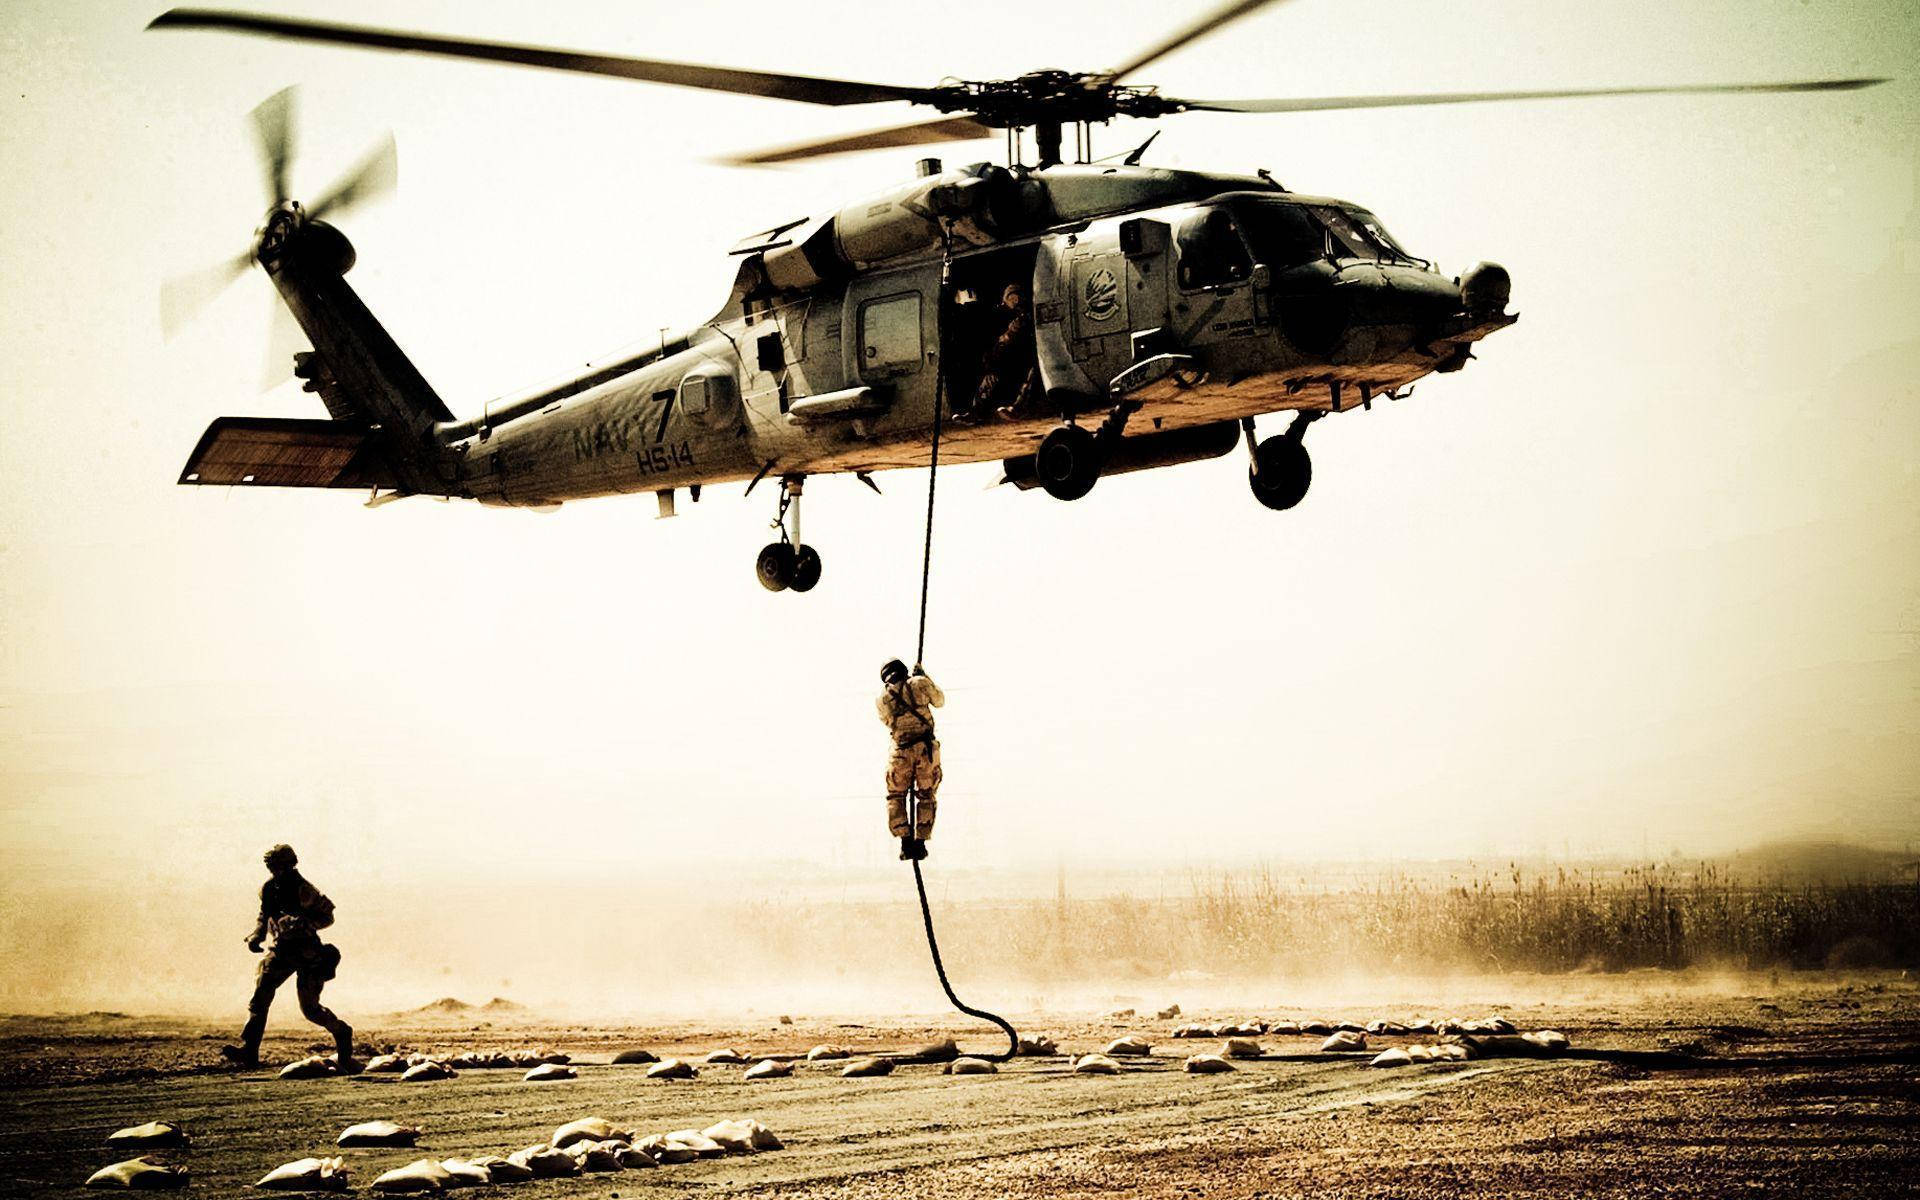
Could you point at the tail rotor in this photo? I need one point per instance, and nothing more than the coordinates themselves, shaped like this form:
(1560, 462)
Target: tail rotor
(184, 296)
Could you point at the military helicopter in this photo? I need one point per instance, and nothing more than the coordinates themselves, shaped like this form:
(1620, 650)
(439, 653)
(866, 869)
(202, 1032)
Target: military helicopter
(1070, 319)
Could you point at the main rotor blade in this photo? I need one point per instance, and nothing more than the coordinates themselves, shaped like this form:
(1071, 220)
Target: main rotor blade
(942, 129)
(1334, 103)
(805, 88)
(273, 124)
(1233, 10)
(378, 172)
(183, 296)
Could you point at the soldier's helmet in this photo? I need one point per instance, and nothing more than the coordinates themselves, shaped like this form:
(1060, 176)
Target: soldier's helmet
(281, 857)
(893, 672)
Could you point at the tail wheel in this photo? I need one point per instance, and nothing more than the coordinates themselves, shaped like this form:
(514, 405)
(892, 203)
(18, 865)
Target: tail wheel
(806, 569)
(1067, 462)
(777, 566)
(1281, 472)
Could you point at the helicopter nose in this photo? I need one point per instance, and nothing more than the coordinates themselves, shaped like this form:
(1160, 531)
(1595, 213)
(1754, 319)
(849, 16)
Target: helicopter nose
(1485, 289)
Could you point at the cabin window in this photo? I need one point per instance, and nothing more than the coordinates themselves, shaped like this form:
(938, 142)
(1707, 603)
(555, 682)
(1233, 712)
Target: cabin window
(1211, 252)
(890, 335)
(1283, 235)
(771, 356)
(694, 398)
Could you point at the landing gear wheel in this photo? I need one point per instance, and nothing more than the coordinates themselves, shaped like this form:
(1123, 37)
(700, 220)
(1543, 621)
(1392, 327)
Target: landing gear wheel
(776, 567)
(806, 569)
(1281, 473)
(1068, 462)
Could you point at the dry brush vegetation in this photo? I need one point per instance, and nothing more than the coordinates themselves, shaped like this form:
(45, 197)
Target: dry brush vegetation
(1257, 925)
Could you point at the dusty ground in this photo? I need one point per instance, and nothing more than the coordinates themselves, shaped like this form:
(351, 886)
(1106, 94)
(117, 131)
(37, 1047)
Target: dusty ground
(1811, 1090)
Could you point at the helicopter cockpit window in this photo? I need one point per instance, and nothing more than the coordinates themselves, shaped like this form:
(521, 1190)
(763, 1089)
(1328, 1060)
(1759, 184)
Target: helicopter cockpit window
(1211, 252)
(1283, 235)
(890, 335)
(1359, 234)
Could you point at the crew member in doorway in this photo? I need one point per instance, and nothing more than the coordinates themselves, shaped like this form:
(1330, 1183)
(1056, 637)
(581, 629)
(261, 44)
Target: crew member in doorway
(1007, 380)
(906, 707)
(292, 914)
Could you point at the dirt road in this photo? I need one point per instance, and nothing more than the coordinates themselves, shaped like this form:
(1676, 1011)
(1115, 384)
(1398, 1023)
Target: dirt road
(1821, 1100)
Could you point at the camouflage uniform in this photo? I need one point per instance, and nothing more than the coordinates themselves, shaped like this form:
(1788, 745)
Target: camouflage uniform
(1007, 381)
(907, 710)
(292, 912)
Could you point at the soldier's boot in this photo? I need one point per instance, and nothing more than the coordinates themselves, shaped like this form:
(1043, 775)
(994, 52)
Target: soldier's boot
(343, 1049)
(916, 849)
(247, 1053)
(242, 1055)
(906, 847)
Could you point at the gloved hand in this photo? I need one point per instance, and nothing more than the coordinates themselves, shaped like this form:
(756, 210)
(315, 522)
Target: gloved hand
(255, 943)
(919, 670)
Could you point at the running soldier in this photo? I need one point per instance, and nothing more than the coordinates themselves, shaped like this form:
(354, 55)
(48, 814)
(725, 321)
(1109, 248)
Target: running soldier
(292, 914)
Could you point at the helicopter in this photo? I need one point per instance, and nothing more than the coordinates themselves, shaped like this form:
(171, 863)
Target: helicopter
(1071, 319)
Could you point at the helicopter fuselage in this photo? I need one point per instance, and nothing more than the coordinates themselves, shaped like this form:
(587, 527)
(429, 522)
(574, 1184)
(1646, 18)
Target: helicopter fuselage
(1256, 300)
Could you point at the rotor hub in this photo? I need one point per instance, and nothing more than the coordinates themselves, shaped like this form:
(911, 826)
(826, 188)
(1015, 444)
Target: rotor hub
(1049, 98)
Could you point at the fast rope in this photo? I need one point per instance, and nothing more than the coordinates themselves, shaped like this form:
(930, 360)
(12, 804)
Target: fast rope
(919, 656)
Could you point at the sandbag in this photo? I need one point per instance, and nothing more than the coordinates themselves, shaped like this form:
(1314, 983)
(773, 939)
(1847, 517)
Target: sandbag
(378, 1133)
(1037, 1045)
(757, 1135)
(1095, 1064)
(589, 1129)
(595, 1156)
(313, 1067)
(696, 1141)
(735, 1137)
(461, 1173)
(1395, 1057)
(671, 1068)
(427, 1072)
(1550, 1040)
(1346, 1039)
(1128, 1047)
(421, 1175)
(545, 1162)
(945, 1050)
(549, 1073)
(307, 1175)
(970, 1066)
(1242, 1048)
(154, 1135)
(728, 1056)
(146, 1174)
(503, 1170)
(387, 1064)
(626, 1057)
(1207, 1064)
(632, 1158)
(768, 1068)
(823, 1052)
(861, 1068)
(661, 1150)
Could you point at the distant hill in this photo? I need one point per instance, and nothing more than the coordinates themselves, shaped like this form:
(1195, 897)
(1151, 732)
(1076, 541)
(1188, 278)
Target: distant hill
(500, 1004)
(1829, 862)
(445, 1006)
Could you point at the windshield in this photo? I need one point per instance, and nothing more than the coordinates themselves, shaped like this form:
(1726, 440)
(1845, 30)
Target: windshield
(1287, 235)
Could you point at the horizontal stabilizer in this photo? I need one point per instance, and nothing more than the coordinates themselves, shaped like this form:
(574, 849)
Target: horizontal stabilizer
(287, 452)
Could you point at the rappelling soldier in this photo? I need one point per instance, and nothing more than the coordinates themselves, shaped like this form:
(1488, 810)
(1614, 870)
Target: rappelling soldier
(292, 914)
(906, 706)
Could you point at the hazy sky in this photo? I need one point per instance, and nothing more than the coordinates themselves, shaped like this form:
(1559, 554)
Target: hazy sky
(1643, 576)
